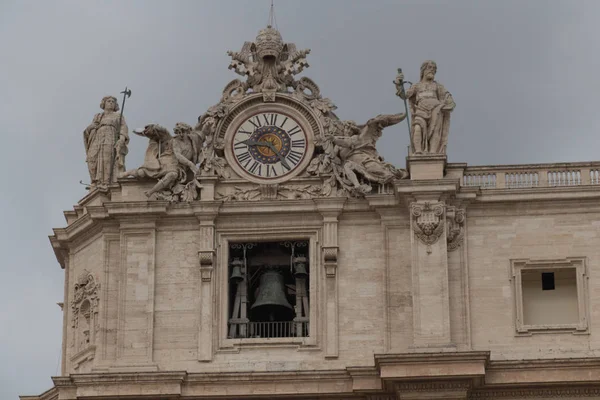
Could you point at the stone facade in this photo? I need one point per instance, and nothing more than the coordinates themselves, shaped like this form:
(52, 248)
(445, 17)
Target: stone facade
(418, 288)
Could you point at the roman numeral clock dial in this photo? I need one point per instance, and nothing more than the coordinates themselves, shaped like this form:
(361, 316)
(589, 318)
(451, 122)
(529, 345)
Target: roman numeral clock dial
(270, 146)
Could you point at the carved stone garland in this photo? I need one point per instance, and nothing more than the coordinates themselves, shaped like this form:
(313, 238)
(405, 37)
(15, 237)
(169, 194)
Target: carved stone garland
(84, 307)
(456, 223)
(428, 222)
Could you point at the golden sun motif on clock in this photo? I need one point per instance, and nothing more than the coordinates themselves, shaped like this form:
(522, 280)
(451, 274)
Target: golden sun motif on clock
(269, 145)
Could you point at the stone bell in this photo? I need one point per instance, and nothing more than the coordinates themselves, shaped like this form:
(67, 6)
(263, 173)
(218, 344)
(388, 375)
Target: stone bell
(236, 271)
(271, 302)
(300, 267)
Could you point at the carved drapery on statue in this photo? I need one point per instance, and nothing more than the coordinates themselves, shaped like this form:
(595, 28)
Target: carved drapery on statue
(107, 133)
(430, 108)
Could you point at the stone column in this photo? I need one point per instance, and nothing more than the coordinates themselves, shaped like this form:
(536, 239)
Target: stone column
(330, 209)
(206, 256)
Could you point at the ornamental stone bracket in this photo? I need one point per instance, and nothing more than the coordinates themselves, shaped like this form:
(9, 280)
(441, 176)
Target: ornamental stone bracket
(330, 260)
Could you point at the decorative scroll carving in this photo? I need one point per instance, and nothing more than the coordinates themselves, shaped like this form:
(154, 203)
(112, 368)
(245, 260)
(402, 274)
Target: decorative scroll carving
(272, 192)
(456, 222)
(268, 63)
(330, 260)
(84, 308)
(206, 258)
(428, 222)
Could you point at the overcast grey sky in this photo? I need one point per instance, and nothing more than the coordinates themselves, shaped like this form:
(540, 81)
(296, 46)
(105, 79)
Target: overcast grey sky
(524, 75)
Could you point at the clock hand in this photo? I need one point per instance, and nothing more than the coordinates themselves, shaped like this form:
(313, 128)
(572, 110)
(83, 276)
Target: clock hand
(250, 142)
(281, 158)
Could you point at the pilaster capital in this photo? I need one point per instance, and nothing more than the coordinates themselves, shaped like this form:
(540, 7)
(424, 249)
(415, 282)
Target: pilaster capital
(330, 207)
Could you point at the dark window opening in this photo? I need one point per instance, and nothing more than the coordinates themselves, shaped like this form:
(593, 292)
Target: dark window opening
(547, 280)
(268, 289)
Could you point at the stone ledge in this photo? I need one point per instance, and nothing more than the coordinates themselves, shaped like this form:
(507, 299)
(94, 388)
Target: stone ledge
(418, 366)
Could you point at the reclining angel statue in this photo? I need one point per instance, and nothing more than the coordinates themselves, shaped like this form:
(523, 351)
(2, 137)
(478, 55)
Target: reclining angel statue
(351, 156)
(168, 159)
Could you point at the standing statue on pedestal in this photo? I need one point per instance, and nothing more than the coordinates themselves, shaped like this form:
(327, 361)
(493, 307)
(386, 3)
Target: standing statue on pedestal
(106, 133)
(430, 107)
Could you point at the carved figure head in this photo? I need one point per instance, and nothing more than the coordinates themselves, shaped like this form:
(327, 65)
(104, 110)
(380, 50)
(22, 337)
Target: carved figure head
(428, 69)
(269, 43)
(109, 103)
(182, 129)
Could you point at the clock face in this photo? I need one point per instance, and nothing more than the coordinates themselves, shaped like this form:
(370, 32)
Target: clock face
(270, 145)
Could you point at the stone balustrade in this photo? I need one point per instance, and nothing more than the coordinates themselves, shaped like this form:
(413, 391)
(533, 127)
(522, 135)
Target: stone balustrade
(532, 175)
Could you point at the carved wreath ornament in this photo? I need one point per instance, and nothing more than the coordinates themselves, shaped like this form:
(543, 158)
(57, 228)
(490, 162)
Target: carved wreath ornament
(428, 222)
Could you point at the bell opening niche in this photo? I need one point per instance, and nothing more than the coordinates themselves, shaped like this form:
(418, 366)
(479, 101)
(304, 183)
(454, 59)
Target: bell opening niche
(268, 289)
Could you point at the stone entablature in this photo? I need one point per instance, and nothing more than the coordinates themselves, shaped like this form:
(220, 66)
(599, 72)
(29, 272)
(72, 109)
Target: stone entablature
(463, 375)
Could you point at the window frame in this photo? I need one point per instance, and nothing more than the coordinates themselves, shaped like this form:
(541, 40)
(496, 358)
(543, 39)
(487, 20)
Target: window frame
(579, 264)
(224, 239)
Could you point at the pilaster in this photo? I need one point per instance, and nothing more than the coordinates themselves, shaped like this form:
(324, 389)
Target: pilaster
(206, 216)
(426, 196)
(330, 209)
(135, 293)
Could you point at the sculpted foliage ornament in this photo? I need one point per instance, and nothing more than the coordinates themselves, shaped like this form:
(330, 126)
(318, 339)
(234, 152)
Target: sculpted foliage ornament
(428, 222)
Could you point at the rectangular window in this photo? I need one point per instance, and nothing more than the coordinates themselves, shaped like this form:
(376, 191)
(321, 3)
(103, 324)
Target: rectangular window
(268, 291)
(550, 295)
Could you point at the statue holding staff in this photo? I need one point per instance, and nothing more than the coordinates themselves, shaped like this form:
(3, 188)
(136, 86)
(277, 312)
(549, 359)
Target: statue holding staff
(430, 107)
(105, 141)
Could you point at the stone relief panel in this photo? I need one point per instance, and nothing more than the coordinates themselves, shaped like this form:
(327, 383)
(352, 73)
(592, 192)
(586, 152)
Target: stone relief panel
(84, 320)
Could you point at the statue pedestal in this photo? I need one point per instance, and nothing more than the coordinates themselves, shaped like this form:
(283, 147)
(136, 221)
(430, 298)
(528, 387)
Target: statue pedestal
(428, 166)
